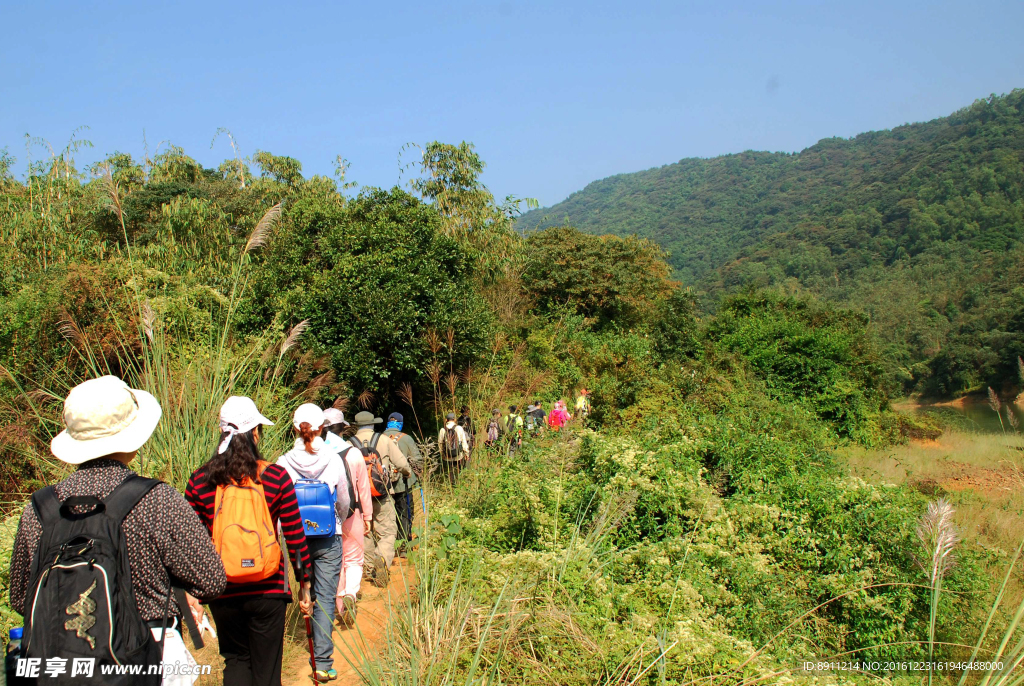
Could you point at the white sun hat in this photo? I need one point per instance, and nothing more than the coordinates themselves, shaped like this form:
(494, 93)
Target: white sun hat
(239, 415)
(104, 416)
(334, 416)
(310, 413)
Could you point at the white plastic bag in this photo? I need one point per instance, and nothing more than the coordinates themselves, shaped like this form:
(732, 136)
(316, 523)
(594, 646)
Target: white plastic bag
(180, 668)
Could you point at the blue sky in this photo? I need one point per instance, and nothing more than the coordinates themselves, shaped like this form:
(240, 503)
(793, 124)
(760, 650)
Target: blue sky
(553, 94)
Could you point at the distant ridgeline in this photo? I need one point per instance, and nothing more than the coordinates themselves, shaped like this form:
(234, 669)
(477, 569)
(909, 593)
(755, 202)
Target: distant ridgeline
(920, 226)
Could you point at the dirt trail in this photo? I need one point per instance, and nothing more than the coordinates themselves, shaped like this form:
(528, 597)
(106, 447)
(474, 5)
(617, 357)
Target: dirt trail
(366, 638)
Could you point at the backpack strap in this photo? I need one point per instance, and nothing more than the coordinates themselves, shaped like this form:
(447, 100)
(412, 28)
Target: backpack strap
(127, 495)
(186, 616)
(47, 506)
(353, 491)
(373, 441)
(358, 445)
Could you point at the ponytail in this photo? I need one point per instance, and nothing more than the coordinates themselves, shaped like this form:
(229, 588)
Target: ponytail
(307, 435)
(238, 462)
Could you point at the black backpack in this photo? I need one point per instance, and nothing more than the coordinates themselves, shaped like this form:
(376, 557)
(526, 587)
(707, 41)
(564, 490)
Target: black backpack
(380, 477)
(81, 603)
(450, 448)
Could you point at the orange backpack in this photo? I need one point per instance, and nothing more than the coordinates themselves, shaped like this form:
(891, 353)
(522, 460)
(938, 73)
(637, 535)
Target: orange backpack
(243, 532)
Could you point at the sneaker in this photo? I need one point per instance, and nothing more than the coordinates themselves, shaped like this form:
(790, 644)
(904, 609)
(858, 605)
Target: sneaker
(322, 676)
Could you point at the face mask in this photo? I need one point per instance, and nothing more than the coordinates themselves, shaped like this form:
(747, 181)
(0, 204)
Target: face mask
(394, 424)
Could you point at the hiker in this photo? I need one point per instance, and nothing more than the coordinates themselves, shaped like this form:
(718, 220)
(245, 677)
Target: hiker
(494, 429)
(248, 493)
(334, 430)
(513, 420)
(325, 496)
(147, 528)
(536, 416)
(403, 485)
(384, 462)
(357, 526)
(453, 445)
(466, 422)
(583, 404)
(514, 429)
(559, 417)
(539, 412)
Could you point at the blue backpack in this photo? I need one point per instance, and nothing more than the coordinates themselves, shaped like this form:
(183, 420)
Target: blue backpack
(316, 506)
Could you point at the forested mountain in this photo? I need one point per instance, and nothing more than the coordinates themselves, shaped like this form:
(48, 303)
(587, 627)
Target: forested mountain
(921, 226)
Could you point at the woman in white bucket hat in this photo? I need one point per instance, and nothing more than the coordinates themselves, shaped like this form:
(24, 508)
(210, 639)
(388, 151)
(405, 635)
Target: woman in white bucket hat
(106, 423)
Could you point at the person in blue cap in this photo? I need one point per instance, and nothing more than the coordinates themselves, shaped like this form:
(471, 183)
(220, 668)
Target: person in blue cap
(404, 486)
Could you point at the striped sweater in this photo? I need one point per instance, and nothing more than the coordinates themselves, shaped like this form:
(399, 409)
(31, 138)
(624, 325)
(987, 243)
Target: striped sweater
(284, 510)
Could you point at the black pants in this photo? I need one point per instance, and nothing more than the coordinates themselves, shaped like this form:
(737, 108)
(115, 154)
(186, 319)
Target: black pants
(251, 634)
(403, 513)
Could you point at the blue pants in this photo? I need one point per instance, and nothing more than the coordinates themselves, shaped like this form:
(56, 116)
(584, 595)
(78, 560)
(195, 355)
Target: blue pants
(325, 558)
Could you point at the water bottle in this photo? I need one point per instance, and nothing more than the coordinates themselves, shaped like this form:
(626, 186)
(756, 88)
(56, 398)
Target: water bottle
(11, 660)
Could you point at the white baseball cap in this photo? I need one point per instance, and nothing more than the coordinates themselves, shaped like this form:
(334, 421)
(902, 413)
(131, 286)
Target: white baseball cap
(334, 416)
(309, 413)
(104, 416)
(238, 415)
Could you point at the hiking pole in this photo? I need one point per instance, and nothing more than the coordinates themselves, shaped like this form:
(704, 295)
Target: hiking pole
(309, 626)
(309, 639)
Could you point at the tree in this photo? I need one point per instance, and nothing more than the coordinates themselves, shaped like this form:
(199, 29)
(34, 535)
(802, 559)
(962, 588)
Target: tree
(452, 182)
(372, 276)
(609, 280)
(281, 168)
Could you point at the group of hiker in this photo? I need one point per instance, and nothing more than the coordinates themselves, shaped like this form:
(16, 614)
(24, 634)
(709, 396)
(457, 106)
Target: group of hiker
(108, 566)
(506, 431)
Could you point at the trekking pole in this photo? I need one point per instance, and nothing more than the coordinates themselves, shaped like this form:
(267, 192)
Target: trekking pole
(309, 626)
(309, 639)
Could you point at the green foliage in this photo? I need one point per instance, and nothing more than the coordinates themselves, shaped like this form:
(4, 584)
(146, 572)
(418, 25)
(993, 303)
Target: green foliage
(282, 169)
(451, 182)
(371, 276)
(614, 366)
(614, 281)
(640, 542)
(809, 353)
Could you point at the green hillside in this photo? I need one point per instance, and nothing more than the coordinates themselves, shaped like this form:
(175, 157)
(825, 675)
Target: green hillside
(921, 226)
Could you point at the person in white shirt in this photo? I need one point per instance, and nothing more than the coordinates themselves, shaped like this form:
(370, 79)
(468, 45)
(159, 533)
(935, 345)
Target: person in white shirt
(453, 444)
(311, 458)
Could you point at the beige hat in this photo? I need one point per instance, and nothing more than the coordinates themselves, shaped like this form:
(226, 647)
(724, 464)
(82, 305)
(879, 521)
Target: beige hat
(104, 416)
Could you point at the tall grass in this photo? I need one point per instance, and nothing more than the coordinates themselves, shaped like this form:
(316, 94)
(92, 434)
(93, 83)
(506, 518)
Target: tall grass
(939, 538)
